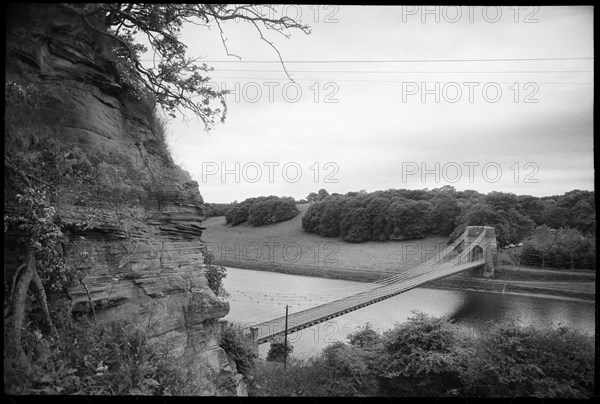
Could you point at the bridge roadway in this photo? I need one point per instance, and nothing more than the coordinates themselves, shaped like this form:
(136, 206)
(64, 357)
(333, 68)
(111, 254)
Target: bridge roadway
(314, 315)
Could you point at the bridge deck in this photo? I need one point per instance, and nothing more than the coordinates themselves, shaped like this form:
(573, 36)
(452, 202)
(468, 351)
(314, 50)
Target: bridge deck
(314, 315)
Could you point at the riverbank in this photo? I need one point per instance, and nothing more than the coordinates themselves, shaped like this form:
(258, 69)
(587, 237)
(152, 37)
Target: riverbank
(561, 285)
(286, 248)
(584, 291)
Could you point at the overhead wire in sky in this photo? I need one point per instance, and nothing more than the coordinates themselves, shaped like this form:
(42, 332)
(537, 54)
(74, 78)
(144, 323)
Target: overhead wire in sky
(337, 71)
(401, 71)
(365, 81)
(400, 60)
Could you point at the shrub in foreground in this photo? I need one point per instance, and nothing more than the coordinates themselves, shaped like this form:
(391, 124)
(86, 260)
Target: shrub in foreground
(427, 356)
(89, 358)
(239, 346)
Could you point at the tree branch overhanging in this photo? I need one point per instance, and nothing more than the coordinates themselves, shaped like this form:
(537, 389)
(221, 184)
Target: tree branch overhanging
(177, 79)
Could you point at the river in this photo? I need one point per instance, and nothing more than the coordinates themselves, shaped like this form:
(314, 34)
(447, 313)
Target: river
(257, 296)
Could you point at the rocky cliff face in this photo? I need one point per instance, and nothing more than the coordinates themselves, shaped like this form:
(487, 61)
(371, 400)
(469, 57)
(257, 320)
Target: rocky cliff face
(140, 254)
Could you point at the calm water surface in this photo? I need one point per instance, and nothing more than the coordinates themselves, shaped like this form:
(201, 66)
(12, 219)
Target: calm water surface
(257, 296)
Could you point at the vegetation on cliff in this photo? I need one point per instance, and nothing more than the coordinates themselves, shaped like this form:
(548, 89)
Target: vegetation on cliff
(175, 79)
(239, 346)
(49, 349)
(89, 178)
(86, 357)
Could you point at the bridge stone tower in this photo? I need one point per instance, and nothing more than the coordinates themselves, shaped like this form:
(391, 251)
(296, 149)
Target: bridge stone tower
(487, 248)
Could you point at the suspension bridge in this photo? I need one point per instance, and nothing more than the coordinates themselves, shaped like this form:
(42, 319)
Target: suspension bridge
(475, 248)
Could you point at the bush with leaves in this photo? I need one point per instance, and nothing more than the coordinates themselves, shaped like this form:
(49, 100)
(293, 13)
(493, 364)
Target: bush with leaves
(39, 224)
(344, 371)
(302, 378)
(338, 372)
(278, 351)
(89, 358)
(514, 360)
(214, 275)
(428, 356)
(366, 338)
(239, 346)
(419, 357)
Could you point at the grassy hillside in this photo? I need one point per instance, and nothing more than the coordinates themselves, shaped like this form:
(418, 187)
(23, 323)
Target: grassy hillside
(285, 247)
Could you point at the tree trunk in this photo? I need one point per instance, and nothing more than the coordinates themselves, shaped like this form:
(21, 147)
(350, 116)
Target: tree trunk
(543, 261)
(14, 324)
(572, 265)
(39, 287)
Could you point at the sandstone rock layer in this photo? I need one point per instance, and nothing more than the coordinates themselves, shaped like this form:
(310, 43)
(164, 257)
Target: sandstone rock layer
(141, 260)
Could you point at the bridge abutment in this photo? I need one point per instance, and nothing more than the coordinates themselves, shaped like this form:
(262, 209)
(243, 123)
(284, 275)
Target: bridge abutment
(487, 248)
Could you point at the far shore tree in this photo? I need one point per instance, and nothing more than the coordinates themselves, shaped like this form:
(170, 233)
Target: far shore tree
(543, 237)
(570, 239)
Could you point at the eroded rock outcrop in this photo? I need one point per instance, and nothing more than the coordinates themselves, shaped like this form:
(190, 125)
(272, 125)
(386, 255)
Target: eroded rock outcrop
(140, 254)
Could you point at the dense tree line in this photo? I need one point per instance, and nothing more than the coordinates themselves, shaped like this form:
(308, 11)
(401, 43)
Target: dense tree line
(220, 209)
(261, 211)
(562, 248)
(408, 214)
(431, 357)
(216, 209)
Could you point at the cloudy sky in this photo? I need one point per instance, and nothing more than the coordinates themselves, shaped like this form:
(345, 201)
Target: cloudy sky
(480, 98)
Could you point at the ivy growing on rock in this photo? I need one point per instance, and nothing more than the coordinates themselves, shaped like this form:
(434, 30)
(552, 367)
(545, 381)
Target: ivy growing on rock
(214, 275)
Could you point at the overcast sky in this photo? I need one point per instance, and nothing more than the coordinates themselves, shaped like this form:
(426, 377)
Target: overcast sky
(388, 97)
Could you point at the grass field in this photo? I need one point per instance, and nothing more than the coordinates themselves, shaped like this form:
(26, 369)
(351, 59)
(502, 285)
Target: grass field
(284, 247)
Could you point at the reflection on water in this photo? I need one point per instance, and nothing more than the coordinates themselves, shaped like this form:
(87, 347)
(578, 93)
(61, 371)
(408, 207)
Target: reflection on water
(257, 296)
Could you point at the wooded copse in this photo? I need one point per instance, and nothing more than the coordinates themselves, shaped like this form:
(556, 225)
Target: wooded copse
(401, 214)
(261, 211)
(569, 220)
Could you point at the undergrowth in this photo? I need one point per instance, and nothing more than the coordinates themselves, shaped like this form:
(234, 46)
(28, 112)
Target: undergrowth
(240, 347)
(89, 358)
